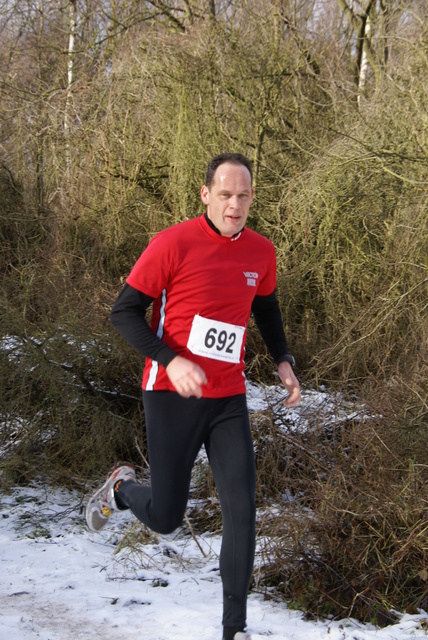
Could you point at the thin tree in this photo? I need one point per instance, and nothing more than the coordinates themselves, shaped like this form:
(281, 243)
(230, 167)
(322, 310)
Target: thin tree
(70, 79)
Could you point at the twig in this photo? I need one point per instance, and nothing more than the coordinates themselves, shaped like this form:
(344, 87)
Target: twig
(141, 453)
(194, 536)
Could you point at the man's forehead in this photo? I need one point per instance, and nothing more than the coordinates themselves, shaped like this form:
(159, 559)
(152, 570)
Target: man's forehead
(228, 171)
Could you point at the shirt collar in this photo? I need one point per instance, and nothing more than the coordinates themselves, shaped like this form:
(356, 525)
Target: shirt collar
(214, 228)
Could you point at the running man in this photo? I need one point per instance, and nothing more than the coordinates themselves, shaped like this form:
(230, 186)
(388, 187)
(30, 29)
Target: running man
(203, 278)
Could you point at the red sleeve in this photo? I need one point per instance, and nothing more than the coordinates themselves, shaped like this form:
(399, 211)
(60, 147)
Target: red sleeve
(151, 272)
(268, 283)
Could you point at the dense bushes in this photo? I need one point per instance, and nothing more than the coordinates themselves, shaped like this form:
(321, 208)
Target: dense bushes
(341, 189)
(350, 539)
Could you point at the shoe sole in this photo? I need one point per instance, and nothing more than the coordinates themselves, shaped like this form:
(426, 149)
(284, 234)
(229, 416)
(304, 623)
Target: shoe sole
(99, 491)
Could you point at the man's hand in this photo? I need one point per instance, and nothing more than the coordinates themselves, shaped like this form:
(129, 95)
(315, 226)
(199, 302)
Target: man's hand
(186, 376)
(290, 382)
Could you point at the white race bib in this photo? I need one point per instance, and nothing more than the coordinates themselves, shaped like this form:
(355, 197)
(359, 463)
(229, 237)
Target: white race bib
(216, 340)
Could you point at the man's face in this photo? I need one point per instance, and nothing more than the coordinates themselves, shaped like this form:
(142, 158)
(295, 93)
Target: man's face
(229, 198)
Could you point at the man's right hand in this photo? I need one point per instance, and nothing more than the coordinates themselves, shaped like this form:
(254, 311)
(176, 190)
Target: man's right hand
(186, 376)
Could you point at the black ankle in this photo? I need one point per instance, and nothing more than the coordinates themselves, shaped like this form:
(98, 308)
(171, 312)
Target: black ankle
(229, 632)
(119, 502)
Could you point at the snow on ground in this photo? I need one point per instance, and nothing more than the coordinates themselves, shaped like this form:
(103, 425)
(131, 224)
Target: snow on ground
(316, 406)
(59, 581)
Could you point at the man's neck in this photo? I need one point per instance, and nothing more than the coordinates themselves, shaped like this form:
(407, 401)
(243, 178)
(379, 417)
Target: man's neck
(214, 228)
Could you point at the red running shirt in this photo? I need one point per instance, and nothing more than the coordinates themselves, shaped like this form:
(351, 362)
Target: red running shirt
(190, 270)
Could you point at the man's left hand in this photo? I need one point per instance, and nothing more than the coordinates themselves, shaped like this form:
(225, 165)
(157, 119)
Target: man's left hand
(290, 382)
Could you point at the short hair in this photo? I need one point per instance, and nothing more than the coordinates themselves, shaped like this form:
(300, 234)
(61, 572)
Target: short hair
(223, 158)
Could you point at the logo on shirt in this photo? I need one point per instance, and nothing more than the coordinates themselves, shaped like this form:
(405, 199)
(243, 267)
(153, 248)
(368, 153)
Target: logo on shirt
(251, 278)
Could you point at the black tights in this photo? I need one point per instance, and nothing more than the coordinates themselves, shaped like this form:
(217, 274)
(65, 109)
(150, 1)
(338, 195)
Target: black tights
(176, 430)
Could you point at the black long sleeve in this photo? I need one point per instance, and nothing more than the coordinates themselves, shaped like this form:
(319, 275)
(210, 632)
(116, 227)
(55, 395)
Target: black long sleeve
(128, 316)
(267, 316)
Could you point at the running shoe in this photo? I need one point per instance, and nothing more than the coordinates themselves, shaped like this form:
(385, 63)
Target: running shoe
(102, 504)
(240, 635)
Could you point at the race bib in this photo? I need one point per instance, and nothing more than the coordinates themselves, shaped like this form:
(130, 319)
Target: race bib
(216, 340)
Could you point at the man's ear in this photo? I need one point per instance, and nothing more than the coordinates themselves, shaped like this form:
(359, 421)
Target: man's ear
(204, 194)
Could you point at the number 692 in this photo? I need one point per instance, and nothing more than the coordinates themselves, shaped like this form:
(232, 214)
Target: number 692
(221, 341)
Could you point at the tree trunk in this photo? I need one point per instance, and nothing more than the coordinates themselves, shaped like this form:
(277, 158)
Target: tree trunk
(70, 78)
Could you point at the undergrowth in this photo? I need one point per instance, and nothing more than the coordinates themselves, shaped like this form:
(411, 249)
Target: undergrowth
(349, 540)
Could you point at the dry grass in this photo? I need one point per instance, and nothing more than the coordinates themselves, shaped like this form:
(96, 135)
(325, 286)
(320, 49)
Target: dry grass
(352, 541)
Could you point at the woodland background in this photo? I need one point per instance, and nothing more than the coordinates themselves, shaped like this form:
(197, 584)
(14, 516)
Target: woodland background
(109, 112)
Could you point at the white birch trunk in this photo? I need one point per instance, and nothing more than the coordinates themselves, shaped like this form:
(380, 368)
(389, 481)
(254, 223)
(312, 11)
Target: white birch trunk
(364, 62)
(70, 78)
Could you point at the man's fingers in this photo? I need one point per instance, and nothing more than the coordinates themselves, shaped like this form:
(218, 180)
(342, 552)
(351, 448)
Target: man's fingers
(192, 382)
(291, 383)
(198, 376)
(186, 376)
(188, 391)
(293, 399)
